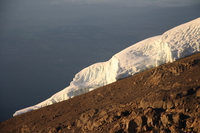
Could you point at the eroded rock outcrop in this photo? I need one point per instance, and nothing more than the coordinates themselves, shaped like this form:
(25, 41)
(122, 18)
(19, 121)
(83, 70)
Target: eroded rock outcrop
(167, 113)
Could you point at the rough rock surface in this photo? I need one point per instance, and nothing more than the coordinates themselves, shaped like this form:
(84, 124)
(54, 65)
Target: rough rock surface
(160, 100)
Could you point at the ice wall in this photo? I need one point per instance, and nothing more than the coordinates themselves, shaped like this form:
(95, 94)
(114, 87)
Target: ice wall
(174, 44)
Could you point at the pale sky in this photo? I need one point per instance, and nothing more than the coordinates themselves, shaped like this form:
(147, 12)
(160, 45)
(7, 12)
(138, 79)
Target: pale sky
(142, 3)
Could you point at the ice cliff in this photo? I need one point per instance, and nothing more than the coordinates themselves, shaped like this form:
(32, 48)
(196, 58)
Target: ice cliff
(177, 43)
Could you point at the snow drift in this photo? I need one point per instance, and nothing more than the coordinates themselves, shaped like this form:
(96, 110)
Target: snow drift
(177, 43)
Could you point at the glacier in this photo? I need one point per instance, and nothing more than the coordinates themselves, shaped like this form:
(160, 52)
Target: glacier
(174, 44)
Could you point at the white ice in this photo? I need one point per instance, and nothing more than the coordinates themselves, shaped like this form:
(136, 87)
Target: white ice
(177, 43)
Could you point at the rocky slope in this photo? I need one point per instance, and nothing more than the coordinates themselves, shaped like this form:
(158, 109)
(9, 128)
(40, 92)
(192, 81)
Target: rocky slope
(160, 100)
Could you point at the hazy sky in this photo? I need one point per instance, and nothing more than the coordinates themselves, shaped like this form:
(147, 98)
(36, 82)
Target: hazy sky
(163, 3)
(139, 3)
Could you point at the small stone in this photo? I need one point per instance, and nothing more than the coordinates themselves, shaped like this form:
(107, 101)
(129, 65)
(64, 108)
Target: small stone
(173, 96)
(139, 120)
(174, 129)
(198, 109)
(170, 105)
(176, 103)
(187, 110)
(158, 104)
(163, 131)
(164, 120)
(176, 118)
(198, 93)
(102, 113)
(184, 93)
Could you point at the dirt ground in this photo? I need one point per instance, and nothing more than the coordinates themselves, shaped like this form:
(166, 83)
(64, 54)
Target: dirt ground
(160, 100)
